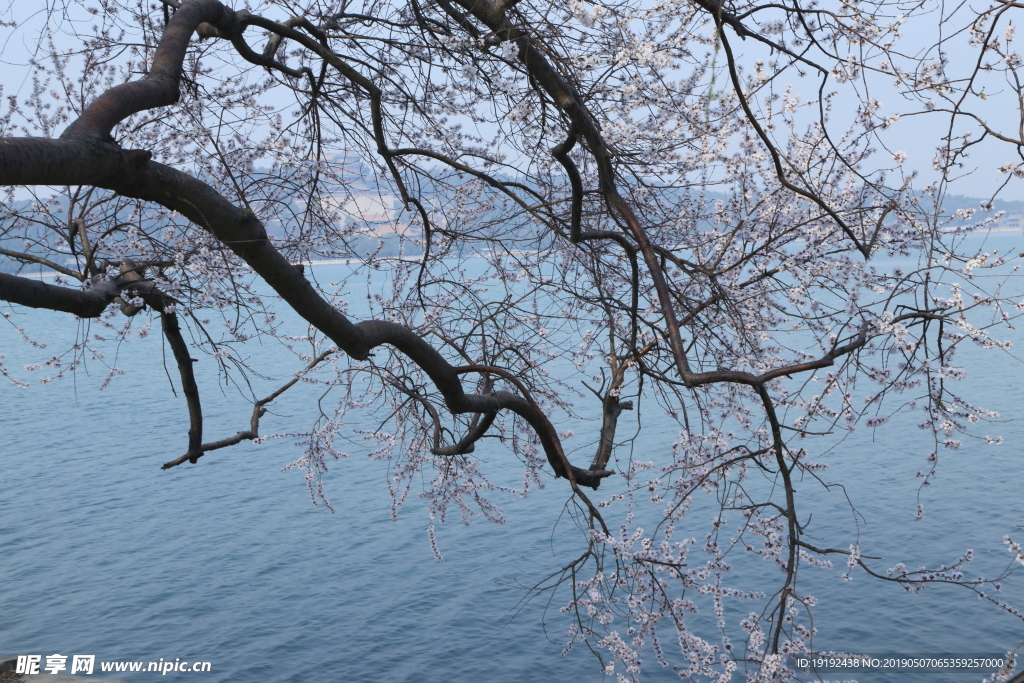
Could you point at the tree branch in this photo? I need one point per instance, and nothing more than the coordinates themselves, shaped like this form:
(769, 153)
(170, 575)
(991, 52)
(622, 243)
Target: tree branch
(172, 331)
(85, 303)
(250, 434)
(160, 87)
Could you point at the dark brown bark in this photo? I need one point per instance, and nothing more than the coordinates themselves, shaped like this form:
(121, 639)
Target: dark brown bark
(172, 331)
(612, 408)
(85, 303)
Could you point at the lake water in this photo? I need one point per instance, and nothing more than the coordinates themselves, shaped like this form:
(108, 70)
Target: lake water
(229, 562)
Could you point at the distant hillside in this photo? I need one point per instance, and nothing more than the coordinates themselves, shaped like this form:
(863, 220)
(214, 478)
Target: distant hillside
(953, 202)
(390, 244)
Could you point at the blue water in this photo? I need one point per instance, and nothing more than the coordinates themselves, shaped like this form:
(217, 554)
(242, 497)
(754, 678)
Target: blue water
(228, 561)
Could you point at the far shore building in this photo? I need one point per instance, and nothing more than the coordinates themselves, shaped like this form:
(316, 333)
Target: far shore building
(1012, 221)
(376, 214)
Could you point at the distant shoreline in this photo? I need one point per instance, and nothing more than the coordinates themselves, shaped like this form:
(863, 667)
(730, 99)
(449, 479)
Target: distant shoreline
(48, 274)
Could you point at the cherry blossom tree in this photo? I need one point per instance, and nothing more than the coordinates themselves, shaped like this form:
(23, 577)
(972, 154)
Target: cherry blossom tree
(590, 208)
